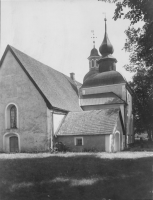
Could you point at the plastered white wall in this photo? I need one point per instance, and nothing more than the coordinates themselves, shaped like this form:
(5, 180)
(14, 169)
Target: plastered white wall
(16, 87)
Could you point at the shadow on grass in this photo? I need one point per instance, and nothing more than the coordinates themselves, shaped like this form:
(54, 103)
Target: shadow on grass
(79, 177)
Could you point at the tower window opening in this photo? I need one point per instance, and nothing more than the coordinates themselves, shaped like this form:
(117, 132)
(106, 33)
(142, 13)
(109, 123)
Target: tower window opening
(96, 63)
(92, 63)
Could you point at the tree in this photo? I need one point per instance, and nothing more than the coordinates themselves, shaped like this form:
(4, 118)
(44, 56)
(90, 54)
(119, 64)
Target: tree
(140, 45)
(142, 86)
(139, 41)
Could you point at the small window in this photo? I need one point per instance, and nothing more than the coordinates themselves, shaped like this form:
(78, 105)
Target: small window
(78, 141)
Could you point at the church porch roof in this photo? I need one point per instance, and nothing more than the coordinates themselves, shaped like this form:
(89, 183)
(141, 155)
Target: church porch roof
(90, 122)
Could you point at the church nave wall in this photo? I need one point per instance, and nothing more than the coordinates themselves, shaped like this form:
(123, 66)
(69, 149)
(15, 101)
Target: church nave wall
(16, 88)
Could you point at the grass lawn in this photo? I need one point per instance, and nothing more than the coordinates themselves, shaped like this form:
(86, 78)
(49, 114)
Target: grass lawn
(76, 176)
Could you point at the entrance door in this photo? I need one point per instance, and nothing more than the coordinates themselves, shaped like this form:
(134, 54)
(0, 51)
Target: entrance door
(14, 148)
(117, 142)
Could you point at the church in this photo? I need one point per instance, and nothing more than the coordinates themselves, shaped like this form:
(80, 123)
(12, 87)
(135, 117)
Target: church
(40, 106)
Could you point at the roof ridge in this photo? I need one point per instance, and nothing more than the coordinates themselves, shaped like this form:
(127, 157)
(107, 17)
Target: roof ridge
(34, 59)
(85, 111)
(43, 64)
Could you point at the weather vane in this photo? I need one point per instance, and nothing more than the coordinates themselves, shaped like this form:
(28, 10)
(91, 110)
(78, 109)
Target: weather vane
(93, 37)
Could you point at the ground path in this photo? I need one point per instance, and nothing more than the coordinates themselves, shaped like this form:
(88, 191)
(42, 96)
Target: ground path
(103, 155)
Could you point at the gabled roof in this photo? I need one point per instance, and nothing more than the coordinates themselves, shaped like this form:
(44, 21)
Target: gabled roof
(57, 89)
(103, 99)
(90, 122)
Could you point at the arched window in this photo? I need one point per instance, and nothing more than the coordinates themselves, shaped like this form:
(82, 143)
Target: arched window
(13, 117)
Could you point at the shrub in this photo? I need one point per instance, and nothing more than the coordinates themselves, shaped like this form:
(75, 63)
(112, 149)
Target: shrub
(60, 147)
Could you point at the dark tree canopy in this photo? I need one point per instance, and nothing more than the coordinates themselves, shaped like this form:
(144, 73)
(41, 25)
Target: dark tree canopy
(142, 86)
(140, 45)
(139, 40)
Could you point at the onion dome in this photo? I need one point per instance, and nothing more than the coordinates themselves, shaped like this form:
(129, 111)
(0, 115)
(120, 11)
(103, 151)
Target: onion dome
(94, 52)
(101, 79)
(106, 47)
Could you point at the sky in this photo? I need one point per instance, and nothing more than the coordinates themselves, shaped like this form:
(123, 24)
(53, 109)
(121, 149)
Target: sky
(58, 32)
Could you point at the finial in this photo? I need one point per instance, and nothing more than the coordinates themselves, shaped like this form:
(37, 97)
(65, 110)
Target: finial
(105, 19)
(93, 38)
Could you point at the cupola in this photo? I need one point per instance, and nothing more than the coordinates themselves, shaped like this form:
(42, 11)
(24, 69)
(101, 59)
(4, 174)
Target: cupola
(94, 52)
(94, 56)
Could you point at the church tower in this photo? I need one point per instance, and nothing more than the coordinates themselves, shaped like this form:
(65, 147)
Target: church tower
(104, 87)
(105, 73)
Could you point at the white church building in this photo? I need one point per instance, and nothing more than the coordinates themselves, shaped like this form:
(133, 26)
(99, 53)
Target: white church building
(40, 106)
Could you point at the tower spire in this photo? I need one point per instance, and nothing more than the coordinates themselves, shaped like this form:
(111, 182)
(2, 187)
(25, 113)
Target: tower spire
(106, 47)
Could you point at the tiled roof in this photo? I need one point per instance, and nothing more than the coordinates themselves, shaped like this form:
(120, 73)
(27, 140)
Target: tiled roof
(57, 88)
(89, 122)
(106, 98)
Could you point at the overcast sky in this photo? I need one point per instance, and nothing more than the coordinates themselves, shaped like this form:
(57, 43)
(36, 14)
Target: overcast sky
(58, 32)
